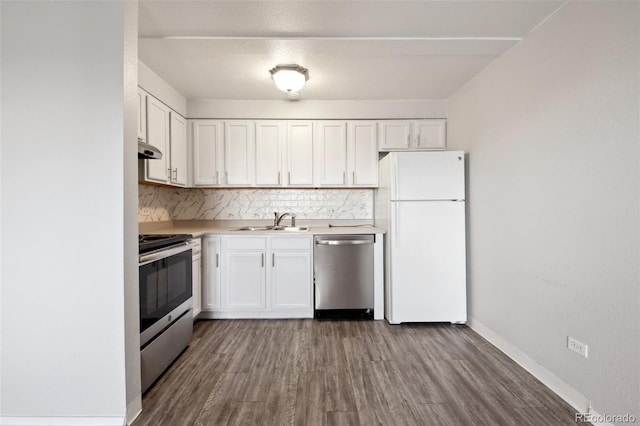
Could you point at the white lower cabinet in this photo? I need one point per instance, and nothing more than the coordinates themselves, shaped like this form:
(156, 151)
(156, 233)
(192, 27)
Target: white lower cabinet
(291, 274)
(260, 277)
(210, 274)
(243, 274)
(197, 277)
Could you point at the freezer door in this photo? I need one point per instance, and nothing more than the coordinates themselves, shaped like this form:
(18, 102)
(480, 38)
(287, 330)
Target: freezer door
(427, 175)
(428, 267)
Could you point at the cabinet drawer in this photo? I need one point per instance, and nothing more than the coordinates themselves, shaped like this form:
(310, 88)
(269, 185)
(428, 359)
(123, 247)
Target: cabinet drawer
(244, 243)
(291, 243)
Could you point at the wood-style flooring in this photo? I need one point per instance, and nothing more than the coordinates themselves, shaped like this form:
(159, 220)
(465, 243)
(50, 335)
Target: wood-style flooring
(309, 372)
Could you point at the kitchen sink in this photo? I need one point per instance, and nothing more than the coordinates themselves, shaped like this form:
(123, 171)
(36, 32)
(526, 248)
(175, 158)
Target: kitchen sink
(256, 228)
(291, 228)
(275, 228)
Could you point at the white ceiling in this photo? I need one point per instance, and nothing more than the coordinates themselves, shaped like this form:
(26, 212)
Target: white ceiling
(356, 50)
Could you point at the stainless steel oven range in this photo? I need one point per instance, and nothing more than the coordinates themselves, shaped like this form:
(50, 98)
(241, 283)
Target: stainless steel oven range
(166, 318)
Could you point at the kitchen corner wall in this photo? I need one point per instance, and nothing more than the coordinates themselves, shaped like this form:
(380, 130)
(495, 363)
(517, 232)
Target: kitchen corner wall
(551, 128)
(161, 203)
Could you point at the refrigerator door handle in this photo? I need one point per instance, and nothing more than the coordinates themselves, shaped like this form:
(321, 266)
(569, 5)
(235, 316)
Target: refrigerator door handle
(394, 187)
(395, 224)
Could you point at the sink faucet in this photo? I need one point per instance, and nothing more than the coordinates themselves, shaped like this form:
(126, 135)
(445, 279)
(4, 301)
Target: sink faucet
(278, 218)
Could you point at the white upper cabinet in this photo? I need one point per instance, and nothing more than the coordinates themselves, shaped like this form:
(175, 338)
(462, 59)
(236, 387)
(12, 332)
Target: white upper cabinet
(207, 150)
(299, 154)
(142, 115)
(239, 145)
(178, 141)
(395, 135)
(270, 144)
(407, 135)
(158, 136)
(430, 134)
(330, 153)
(166, 130)
(362, 153)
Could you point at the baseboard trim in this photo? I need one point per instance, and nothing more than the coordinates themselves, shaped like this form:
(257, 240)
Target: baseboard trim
(564, 390)
(134, 409)
(62, 421)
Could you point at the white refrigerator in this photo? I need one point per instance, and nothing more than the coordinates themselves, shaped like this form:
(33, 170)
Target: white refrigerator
(420, 202)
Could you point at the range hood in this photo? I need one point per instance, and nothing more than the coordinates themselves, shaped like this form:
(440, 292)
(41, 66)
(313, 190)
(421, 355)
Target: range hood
(148, 151)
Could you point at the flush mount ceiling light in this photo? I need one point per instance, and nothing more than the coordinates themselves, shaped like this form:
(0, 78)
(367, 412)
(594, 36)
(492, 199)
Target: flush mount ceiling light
(290, 78)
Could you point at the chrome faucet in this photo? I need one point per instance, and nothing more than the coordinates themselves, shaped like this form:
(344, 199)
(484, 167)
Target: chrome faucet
(278, 218)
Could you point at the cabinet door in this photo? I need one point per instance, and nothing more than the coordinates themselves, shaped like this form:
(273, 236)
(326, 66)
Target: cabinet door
(330, 153)
(239, 152)
(299, 153)
(178, 132)
(142, 115)
(270, 138)
(208, 150)
(211, 274)
(362, 150)
(158, 136)
(197, 286)
(291, 280)
(430, 134)
(395, 135)
(244, 280)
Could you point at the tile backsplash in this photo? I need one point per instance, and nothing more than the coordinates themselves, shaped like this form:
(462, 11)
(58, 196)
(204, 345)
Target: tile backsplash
(160, 203)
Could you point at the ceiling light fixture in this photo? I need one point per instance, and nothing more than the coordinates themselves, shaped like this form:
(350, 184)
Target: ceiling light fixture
(290, 78)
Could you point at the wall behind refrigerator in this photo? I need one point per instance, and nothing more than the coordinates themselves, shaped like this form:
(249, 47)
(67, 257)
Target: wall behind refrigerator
(552, 130)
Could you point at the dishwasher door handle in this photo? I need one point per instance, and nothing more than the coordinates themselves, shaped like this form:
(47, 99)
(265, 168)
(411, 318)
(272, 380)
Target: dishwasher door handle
(343, 242)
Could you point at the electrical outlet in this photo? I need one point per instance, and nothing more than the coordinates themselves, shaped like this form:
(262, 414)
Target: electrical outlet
(577, 346)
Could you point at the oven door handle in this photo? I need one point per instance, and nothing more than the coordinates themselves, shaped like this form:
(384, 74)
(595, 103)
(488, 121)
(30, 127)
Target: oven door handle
(152, 257)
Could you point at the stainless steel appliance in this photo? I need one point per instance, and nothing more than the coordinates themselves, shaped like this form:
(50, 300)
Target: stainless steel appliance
(148, 151)
(343, 275)
(166, 319)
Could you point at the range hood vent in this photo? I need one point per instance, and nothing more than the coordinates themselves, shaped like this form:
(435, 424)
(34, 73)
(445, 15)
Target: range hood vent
(148, 151)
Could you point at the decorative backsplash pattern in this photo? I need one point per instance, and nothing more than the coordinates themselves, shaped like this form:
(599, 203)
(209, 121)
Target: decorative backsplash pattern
(159, 203)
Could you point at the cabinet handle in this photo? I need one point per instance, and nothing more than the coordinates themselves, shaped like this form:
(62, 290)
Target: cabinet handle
(273, 260)
(344, 178)
(217, 178)
(169, 173)
(226, 177)
(353, 177)
(278, 178)
(418, 140)
(288, 178)
(217, 260)
(408, 140)
(175, 172)
(262, 259)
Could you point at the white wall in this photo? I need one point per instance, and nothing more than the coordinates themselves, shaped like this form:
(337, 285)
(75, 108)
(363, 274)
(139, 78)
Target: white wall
(130, 186)
(552, 132)
(152, 83)
(63, 198)
(310, 109)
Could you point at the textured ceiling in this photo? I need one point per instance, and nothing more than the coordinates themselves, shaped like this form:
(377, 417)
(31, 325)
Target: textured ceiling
(355, 50)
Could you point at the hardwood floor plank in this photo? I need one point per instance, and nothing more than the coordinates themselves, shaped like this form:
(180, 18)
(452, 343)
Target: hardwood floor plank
(280, 406)
(342, 418)
(307, 372)
(310, 399)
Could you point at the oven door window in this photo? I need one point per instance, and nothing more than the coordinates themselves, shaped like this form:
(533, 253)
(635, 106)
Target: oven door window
(164, 285)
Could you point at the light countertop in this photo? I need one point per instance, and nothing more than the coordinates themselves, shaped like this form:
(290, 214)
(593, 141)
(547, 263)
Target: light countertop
(198, 228)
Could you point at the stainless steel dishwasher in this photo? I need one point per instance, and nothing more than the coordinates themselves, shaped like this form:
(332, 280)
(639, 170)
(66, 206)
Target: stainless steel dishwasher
(343, 275)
